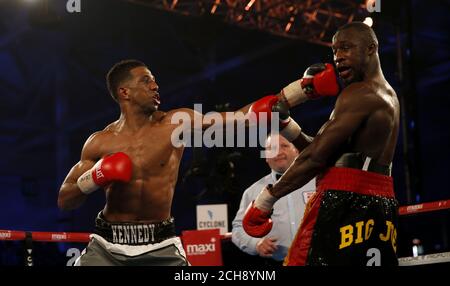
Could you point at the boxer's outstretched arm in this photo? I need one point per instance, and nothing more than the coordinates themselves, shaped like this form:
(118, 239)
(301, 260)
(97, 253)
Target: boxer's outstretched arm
(198, 120)
(237, 116)
(302, 141)
(352, 107)
(70, 196)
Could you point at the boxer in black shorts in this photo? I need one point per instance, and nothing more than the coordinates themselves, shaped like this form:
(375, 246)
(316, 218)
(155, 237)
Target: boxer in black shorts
(352, 218)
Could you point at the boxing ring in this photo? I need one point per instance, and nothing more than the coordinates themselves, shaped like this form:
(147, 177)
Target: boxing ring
(29, 238)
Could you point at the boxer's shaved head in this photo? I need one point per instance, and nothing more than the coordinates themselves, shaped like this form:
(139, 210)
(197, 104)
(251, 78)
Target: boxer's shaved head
(119, 73)
(361, 31)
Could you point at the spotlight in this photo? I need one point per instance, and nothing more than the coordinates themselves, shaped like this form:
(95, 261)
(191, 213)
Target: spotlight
(42, 15)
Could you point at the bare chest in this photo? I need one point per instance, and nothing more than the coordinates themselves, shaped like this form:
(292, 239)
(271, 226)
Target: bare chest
(150, 149)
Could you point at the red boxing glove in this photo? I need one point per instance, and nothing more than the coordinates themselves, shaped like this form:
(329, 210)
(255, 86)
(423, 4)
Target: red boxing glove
(116, 167)
(263, 105)
(270, 103)
(320, 80)
(257, 221)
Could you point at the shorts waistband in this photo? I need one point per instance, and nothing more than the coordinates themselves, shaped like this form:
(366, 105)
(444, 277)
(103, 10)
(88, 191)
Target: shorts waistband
(130, 233)
(362, 162)
(357, 181)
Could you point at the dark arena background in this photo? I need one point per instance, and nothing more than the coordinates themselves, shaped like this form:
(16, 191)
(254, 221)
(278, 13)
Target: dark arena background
(54, 55)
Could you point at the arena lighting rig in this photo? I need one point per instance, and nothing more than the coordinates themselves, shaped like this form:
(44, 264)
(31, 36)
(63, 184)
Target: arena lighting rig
(313, 21)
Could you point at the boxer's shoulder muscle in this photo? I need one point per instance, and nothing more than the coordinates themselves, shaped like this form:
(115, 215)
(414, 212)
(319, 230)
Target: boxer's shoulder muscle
(159, 116)
(360, 97)
(96, 142)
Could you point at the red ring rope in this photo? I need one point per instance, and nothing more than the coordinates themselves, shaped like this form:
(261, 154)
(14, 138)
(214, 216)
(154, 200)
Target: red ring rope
(425, 207)
(84, 237)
